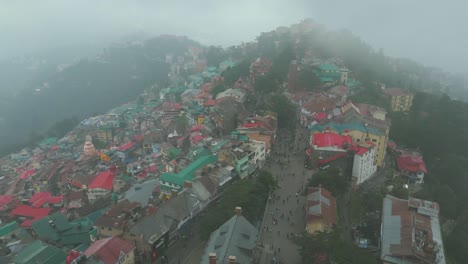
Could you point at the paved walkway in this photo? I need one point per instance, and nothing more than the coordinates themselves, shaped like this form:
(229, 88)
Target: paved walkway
(285, 212)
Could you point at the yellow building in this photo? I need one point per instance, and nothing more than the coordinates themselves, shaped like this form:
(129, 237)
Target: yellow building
(321, 213)
(105, 135)
(400, 100)
(364, 123)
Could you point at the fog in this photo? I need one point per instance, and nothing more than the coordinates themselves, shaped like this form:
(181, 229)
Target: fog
(431, 32)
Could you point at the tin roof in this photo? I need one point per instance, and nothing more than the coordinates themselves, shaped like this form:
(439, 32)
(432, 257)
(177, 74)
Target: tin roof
(411, 232)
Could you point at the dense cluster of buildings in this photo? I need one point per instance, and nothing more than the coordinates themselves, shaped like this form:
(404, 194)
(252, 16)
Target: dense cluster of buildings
(355, 137)
(123, 186)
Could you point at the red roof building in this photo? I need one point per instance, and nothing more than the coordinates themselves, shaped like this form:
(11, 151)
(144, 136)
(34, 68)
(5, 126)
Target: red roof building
(6, 201)
(111, 250)
(126, 147)
(321, 213)
(412, 166)
(33, 214)
(104, 180)
(327, 139)
(45, 198)
(26, 174)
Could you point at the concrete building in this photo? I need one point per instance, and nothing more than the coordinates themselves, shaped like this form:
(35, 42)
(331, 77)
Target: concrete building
(364, 163)
(400, 100)
(411, 232)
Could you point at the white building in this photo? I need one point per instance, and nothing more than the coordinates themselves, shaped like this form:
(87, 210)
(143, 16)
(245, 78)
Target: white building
(259, 149)
(237, 94)
(364, 166)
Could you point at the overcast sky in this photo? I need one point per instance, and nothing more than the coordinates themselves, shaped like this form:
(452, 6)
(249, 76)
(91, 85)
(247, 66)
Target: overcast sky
(429, 31)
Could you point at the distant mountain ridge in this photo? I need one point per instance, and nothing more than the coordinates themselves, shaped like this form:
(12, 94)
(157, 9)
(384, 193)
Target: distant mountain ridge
(92, 85)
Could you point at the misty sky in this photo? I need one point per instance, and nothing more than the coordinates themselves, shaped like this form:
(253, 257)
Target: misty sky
(431, 32)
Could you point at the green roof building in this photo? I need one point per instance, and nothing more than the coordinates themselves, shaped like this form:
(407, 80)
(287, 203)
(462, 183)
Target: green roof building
(237, 237)
(57, 229)
(175, 182)
(330, 73)
(8, 228)
(173, 153)
(39, 252)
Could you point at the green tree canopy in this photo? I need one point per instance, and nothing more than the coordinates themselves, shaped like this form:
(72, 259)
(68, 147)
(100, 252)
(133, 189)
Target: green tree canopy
(307, 79)
(331, 179)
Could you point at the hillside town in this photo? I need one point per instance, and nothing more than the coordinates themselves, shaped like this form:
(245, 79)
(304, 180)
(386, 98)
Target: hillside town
(134, 184)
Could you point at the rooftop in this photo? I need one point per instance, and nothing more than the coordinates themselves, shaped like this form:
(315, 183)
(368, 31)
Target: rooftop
(237, 237)
(108, 250)
(56, 228)
(411, 163)
(328, 139)
(187, 173)
(116, 215)
(141, 192)
(39, 252)
(104, 180)
(321, 205)
(411, 232)
(33, 214)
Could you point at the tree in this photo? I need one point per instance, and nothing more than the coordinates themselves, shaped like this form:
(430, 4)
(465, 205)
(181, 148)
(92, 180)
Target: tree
(214, 56)
(331, 179)
(218, 89)
(232, 74)
(249, 194)
(307, 79)
(330, 248)
(284, 109)
(265, 84)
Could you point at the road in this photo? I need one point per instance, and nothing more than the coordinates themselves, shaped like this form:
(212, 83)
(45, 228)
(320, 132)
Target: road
(285, 212)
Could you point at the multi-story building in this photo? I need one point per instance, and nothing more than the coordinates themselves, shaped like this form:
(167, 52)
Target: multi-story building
(364, 123)
(330, 73)
(330, 147)
(411, 232)
(400, 100)
(364, 163)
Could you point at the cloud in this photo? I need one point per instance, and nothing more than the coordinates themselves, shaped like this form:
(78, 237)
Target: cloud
(432, 32)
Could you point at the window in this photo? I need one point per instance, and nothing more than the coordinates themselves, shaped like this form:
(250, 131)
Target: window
(374, 140)
(110, 229)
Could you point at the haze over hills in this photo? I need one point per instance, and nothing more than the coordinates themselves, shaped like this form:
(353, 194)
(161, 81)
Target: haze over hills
(89, 85)
(56, 85)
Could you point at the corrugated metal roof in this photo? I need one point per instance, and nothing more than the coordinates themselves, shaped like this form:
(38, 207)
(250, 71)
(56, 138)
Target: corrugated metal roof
(406, 233)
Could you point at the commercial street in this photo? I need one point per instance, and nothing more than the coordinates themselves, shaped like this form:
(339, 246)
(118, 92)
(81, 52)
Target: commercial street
(285, 211)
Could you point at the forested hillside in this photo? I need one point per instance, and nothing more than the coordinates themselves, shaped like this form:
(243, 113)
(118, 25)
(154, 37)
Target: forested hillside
(89, 86)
